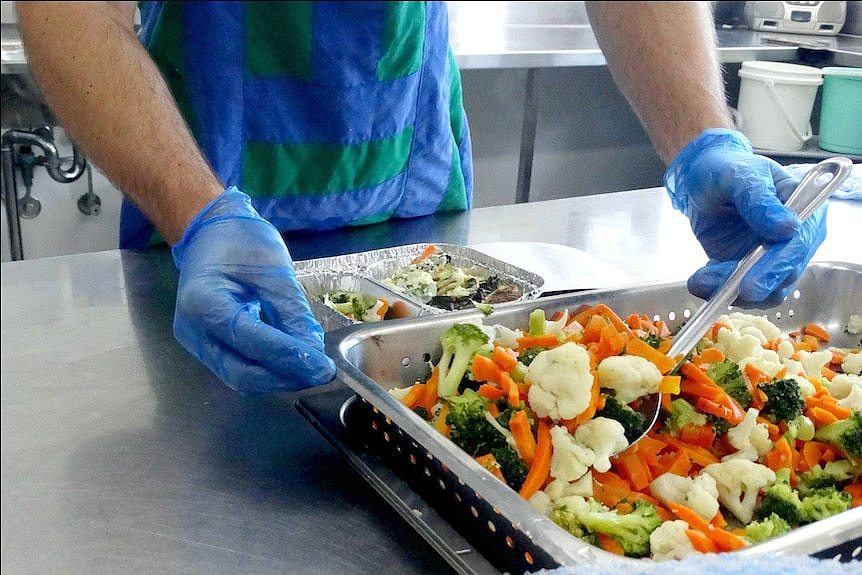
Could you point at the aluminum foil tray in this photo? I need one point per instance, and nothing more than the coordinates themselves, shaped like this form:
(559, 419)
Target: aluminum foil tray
(373, 358)
(366, 271)
(318, 283)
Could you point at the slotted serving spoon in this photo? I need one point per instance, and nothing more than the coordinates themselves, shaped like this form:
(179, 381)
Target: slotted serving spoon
(812, 191)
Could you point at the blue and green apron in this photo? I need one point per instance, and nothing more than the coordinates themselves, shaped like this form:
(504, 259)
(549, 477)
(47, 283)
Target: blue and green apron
(328, 114)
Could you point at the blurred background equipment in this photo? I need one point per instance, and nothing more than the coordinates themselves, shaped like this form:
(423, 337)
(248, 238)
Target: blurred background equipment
(798, 17)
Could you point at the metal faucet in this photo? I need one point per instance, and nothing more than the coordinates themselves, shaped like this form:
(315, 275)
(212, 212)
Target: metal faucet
(43, 139)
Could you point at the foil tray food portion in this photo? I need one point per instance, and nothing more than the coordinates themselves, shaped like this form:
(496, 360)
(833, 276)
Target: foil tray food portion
(373, 359)
(370, 273)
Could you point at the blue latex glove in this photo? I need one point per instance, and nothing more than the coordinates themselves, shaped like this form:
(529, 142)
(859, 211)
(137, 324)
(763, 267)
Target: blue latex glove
(240, 309)
(733, 199)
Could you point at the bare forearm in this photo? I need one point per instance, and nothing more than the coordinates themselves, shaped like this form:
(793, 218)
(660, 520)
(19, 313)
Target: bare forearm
(662, 56)
(111, 98)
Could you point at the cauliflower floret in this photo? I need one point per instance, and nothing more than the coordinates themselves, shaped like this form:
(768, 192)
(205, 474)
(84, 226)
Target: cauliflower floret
(541, 502)
(847, 389)
(750, 438)
(739, 481)
(505, 337)
(629, 376)
(737, 346)
(605, 436)
(745, 338)
(699, 493)
(785, 349)
(852, 363)
(854, 324)
(670, 541)
(560, 382)
(756, 325)
(570, 460)
(796, 372)
(557, 489)
(814, 361)
(853, 401)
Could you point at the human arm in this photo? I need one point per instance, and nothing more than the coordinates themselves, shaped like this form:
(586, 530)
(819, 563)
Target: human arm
(108, 93)
(240, 309)
(663, 57)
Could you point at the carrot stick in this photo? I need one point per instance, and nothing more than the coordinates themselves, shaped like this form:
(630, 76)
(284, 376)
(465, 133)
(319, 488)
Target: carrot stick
(484, 369)
(506, 359)
(817, 331)
(547, 341)
(524, 440)
(541, 462)
(429, 397)
(701, 542)
(491, 391)
(429, 251)
(725, 540)
(511, 389)
(641, 348)
(413, 396)
(712, 355)
(440, 423)
(608, 543)
(489, 462)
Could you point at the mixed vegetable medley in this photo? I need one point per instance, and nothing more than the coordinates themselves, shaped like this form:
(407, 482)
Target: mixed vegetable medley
(433, 279)
(363, 307)
(759, 432)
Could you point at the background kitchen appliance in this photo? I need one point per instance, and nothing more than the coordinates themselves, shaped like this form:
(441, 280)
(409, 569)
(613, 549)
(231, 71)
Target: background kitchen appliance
(798, 17)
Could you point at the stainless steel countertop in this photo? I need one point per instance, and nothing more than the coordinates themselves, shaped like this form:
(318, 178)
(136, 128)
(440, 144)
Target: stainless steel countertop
(121, 453)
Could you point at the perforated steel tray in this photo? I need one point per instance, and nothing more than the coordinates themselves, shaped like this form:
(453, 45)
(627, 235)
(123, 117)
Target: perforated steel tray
(373, 358)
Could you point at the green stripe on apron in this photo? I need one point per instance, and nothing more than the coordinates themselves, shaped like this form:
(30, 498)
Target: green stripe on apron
(403, 40)
(167, 52)
(269, 50)
(271, 169)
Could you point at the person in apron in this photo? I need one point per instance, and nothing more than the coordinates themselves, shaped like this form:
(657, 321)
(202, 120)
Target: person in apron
(226, 123)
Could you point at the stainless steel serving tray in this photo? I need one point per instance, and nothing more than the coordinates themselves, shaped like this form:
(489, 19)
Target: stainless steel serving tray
(374, 358)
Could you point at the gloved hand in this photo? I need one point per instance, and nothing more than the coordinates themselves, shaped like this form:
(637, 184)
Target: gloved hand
(240, 309)
(733, 199)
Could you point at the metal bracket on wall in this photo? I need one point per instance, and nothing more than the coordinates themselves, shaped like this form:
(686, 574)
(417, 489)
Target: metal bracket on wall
(528, 139)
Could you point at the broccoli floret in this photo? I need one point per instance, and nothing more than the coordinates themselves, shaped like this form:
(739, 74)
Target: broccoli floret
(728, 376)
(766, 528)
(799, 428)
(514, 468)
(822, 503)
(630, 530)
(566, 518)
(528, 355)
(421, 412)
(469, 428)
(460, 342)
(782, 500)
(682, 412)
(652, 340)
(845, 434)
(833, 474)
(719, 425)
(783, 400)
(632, 421)
(485, 308)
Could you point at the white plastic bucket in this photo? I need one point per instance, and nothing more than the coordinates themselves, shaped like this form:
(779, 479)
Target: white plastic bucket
(775, 104)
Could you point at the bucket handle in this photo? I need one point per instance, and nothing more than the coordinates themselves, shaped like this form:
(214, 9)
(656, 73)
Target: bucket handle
(786, 117)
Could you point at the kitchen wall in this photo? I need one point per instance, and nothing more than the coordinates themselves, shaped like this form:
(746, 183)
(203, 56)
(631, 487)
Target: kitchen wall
(587, 141)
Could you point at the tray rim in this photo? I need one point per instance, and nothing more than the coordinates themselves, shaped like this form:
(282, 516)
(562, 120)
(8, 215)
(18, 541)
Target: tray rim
(559, 544)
